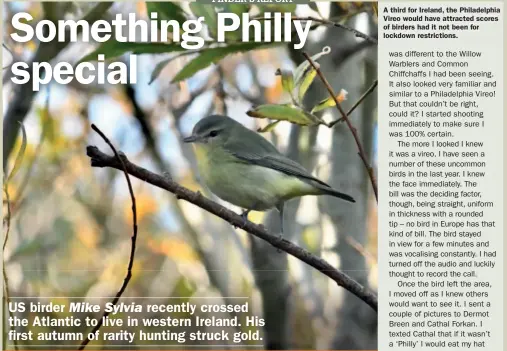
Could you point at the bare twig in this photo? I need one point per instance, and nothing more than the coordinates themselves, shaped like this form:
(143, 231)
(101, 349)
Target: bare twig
(7, 177)
(178, 111)
(7, 218)
(362, 153)
(143, 121)
(220, 93)
(361, 249)
(338, 25)
(99, 159)
(358, 102)
(6, 281)
(345, 52)
(254, 100)
(121, 161)
(7, 298)
(331, 22)
(7, 221)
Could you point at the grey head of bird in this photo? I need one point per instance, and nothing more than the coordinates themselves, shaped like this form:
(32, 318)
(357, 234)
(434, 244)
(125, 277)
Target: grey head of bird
(213, 129)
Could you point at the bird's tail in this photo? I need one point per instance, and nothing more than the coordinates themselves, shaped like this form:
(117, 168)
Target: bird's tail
(327, 190)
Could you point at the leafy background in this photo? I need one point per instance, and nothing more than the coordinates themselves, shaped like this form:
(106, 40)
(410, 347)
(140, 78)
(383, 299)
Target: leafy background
(70, 225)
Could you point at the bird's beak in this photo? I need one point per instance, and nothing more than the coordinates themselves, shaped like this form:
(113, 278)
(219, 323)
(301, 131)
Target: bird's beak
(190, 139)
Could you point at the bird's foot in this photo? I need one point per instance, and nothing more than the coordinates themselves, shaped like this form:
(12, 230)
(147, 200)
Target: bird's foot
(280, 236)
(280, 207)
(167, 175)
(244, 215)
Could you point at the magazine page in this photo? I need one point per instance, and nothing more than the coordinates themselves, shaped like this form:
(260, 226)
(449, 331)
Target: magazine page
(252, 175)
(441, 175)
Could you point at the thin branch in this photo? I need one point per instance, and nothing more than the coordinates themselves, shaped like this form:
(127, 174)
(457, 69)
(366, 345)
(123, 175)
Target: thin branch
(361, 249)
(254, 100)
(338, 25)
(220, 94)
(143, 121)
(358, 102)
(121, 161)
(330, 22)
(99, 159)
(7, 177)
(178, 111)
(7, 298)
(362, 153)
(340, 56)
(6, 280)
(7, 221)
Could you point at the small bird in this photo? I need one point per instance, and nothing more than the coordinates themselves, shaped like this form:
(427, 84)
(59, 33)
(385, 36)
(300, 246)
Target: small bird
(243, 168)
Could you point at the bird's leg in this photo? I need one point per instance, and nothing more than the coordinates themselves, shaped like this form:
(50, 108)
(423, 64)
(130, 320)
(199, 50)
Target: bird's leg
(280, 207)
(244, 215)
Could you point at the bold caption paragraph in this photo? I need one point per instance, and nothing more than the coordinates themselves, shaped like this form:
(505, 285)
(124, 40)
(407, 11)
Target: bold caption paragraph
(142, 322)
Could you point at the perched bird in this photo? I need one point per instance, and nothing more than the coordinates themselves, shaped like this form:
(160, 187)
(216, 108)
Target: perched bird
(243, 168)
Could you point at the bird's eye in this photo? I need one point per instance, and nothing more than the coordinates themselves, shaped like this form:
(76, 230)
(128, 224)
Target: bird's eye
(213, 133)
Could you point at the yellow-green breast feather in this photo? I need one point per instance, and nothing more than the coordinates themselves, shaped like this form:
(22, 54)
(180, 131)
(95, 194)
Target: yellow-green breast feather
(246, 185)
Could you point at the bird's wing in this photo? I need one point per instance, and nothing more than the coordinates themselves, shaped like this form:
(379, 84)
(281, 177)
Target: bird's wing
(259, 151)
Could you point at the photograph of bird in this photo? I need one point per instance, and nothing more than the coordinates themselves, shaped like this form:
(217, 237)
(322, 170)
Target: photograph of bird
(243, 168)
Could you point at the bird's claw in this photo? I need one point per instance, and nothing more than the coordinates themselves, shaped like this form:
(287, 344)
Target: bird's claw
(280, 236)
(244, 215)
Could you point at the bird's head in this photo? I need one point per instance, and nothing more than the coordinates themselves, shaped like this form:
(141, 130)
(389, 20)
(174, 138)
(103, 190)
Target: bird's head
(212, 130)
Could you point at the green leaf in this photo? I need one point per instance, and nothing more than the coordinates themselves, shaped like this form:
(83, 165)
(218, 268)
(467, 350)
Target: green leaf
(209, 14)
(158, 68)
(47, 122)
(112, 49)
(287, 80)
(184, 288)
(314, 7)
(329, 102)
(374, 7)
(269, 127)
(326, 103)
(287, 112)
(213, 55)
(166, 11)
(21, 154)
(306, 81)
